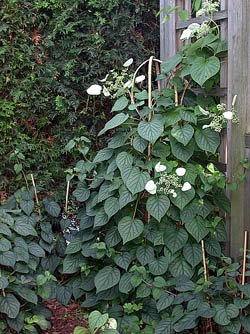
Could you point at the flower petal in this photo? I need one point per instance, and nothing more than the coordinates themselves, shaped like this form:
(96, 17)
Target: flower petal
(140, 78)
(228, 115)
(180, 171)
(94, 90)
(151, 187)
(128, 62)
(160, 168)
(186, 186)
(206, 126)
(186, 34)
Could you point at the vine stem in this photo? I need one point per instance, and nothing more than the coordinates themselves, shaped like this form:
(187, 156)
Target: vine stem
(184, 91)
(67, 197)
(204, 260)
(244, 262)
(35, 192)
(136, 204)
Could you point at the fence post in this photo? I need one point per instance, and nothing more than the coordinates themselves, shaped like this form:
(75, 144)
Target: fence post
(239, 84)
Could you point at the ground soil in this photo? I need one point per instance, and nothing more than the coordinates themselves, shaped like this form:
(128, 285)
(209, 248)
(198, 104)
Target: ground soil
(65, 319)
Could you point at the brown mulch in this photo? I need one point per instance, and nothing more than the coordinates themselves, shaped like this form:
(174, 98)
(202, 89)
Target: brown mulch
(65, 319)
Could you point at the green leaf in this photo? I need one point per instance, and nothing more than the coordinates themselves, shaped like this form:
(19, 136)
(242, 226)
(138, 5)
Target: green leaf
(10, 306)
(241, 303)
(123, 260)
(71, 263)
(140, 144)
(224, 313)
(187, 322)
(164, 301)
(130, 228)
(183, 198)
(24, 228)
(74, 246)
(188, 116)
(183, 15)
(207, 140)
(151, 130)
(157, 206)
(183, 134)
(26, 293)
(80, 330)
(171, 63)
(172, 117)
(36, 250)
(63, 294)
(175, 239)
(158, 266)
(18, 168)
(53, 208)
(120, 104)
(164, 327)
(125, 197)
(111, 206)
(97, 320)
(134, 179)
(103, 155)
(81, 192)
(197, 228)
(8, 259)
(27, 206)
(245, 321)
(106, 278)
(124, 159)
(245, 289)
(145, 254)
(192, 254)
(180, 151)
(161, 150)
(5, 245)
(112, 237)
(124, 285)
(5, 230)
(213, 247)
(143, 291)
(203, 69)
(180, 267)
(114, 122)
(3, 282)
(234, 326)
(206, 311)
(101, 218)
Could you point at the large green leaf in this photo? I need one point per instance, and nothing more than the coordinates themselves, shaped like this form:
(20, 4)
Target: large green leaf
(36, 250)
(175, 239)
(81, 192)
(71, 263)
(213, 247)
(123, 160)
(183, 198)
(157, 206)
(183, 134)
(120, 104)
(112, 237)
(103, 155)
(203, 69)
(180, 151)
(24, 228)
(101, 218)
(180, 267)
(171, 63)
(140, 144)
(145, 254)
(125, 196)
(3, 282)
(97, 320)
(8, 259)
(63, 294)
(4, 229)
(124, 285)
(26, 293)
(207, 140)
(74, 246)
(164, 301)
(151, 130)
(192, 254)
(165, 326)
(114, 122)
(158, 266)
(188, 116)
(106, 278)
(52, 208)
(27, 206)
(245, 321)
(134, 179)
(197, 228)
(5, 245)
(130, 228)
(123, 260)
(111, 206)
(224, 313)
(10, 306)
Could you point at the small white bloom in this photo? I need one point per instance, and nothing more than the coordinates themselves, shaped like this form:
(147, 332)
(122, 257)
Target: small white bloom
(171, 191)
(151, 187)
(186, 34)
(105, 91)
(105, 79)
(186, 186)
(194, 27)
(140, 78)
(206, 126)
(128, 84)
(228, 114)
(174, 194)
(180, 171)
(112, 323)
(128, 62)
(203, 111)
(94, 90)
(160, 168)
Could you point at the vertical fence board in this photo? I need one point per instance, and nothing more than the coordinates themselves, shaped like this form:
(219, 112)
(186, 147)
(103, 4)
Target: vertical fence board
(238, 84)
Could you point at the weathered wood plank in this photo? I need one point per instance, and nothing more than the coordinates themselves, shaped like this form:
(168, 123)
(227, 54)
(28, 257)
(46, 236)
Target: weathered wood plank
(247, 140)
(222, 15)
(238, 84)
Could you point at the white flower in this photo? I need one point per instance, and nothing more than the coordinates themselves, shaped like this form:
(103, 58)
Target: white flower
(160, 168)
(112, 323)
(128, 84)
(186, 34)
(174, 194)
(105, 91)
(151, 187)
(128, 62)
(94, 90)
(180, 171)
(206, 126)
(140, 78)
(194, 27)
(186, 186)
(203, 111)
(105, 79)
(228, 114)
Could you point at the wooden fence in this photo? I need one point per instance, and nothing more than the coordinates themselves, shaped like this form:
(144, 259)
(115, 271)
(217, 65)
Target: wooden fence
(234, 22)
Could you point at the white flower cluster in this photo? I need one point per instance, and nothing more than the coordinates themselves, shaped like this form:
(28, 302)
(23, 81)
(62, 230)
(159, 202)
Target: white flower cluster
(218, 121)
(115, 81)
(208, 8)
(167, 183)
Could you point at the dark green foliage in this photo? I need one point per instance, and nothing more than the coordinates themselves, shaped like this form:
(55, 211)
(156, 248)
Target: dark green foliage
(51, 52)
